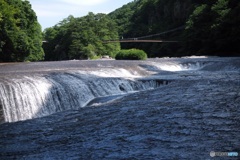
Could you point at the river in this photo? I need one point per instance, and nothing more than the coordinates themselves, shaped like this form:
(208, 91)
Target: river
(171, 108)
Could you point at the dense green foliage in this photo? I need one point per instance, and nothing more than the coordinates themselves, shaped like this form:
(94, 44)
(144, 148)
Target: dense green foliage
(81, 38)
(131, 54)
(201, 27)
(213, 29)
(20, 33)
(151, 17)
(209, 27)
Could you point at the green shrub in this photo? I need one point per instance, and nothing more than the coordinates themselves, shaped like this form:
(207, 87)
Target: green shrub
(131, 54)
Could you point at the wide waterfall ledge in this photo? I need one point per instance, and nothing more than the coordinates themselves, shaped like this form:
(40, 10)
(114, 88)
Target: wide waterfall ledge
(32, 90)
(36, 96)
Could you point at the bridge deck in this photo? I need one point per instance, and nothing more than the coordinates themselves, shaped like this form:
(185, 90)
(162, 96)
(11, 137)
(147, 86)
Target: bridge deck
(139, 41)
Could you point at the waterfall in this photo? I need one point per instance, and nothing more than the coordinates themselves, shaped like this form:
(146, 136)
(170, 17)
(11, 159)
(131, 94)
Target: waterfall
(35, 96)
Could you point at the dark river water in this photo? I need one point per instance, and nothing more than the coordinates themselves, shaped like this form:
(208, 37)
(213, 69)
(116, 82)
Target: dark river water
(178, 108)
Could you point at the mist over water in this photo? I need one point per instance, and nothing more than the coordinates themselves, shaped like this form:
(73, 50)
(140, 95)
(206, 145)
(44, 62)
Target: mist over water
(169, 108)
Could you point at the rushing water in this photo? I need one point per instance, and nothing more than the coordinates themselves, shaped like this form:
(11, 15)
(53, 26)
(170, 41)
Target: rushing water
(156, 109)
(36, 96)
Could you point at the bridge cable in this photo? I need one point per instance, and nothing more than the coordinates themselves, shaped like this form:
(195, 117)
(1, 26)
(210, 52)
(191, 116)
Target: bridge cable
(157, 34)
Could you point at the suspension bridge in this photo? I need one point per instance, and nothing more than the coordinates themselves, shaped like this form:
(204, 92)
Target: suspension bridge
(145, 39)
(138, 41)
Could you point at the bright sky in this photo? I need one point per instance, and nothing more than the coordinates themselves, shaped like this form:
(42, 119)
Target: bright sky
(50, 12)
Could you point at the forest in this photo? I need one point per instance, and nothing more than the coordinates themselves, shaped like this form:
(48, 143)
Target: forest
(20, 33)
(197, 27)
(81, 38)
(200, 27)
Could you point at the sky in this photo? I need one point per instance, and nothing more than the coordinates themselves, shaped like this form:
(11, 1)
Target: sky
(50, 12)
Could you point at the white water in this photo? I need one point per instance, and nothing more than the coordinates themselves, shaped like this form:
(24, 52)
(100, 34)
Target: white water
(173, 66)
(40, 95)
(59, 86)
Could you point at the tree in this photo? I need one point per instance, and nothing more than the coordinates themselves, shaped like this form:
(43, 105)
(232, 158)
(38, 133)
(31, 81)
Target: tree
(20, 37)
(81, 38)
(212, 29)
(146, 17)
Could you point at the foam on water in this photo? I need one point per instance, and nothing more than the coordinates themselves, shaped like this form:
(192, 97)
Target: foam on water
(40, 95)
(195, 114)
(38, 89)
(175, 66)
